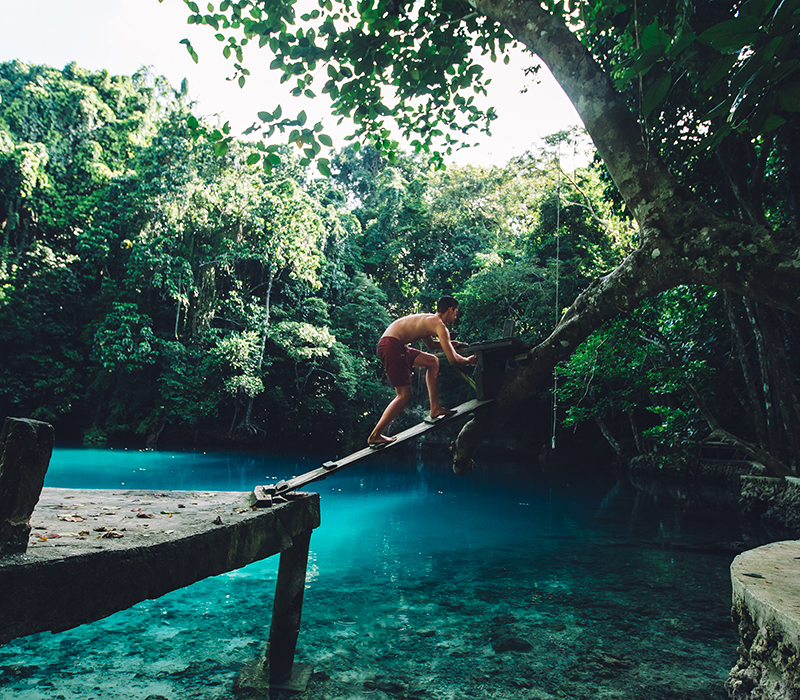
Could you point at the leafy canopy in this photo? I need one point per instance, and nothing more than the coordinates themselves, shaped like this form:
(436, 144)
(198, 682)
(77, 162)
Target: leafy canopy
(707, 70)
(384, 60)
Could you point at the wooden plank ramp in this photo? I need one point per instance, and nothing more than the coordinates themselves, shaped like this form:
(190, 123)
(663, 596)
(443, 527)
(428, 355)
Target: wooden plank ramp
(267, 492)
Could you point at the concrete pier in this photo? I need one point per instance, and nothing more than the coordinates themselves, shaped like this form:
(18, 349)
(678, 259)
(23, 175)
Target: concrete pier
(93, 552)
(766, 606)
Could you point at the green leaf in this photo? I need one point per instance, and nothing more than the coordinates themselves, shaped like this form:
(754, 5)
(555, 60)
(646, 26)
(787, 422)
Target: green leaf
(324, 167)
(643, 63)
(651, 36)
(762, 112)
(732, 35)
(784, 70)
(789, 96)
(190, 49)
(721, 109)
(757, 8)
(326, 140)
(265, 116)
(656, 94)
(773, 122)
(680, 44)
(721, 69)
(253, 158)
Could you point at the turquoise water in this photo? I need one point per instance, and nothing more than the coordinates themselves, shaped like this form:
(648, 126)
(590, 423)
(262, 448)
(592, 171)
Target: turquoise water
(508, 583)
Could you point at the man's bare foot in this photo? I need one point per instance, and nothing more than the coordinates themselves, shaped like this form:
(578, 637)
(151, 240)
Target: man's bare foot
(442, 411)
(380, 440)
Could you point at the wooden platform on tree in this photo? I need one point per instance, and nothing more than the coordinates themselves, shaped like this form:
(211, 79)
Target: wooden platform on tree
(502, 347)
(264, 493)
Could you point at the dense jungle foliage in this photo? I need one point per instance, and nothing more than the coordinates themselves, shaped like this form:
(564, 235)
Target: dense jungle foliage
(152, 289)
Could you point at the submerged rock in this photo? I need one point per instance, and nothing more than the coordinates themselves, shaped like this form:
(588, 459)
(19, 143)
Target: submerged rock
(507, 639)
(387, 686)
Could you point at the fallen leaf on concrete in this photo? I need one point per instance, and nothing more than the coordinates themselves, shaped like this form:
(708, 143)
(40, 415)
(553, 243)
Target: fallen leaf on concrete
(71, 518)
(145, 515)
(111, 534)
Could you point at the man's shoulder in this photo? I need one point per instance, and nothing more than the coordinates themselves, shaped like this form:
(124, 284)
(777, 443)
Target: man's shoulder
(418, 319)
(429, 320)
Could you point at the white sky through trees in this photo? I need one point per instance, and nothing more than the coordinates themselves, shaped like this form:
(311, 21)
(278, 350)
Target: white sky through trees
(121, 36)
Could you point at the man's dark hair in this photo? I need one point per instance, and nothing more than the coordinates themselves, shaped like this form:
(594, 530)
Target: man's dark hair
(444, 304)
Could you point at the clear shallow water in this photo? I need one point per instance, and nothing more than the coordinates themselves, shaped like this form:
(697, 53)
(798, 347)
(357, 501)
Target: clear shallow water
(420, 585)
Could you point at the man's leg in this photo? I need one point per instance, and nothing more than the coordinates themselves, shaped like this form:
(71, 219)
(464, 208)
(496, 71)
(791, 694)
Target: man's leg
(395, 407)
(431, 365)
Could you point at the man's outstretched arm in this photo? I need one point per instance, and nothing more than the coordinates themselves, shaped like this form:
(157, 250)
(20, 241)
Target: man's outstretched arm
(449, 351)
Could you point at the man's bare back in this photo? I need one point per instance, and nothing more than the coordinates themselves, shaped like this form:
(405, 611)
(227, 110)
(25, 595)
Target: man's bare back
(409, 329)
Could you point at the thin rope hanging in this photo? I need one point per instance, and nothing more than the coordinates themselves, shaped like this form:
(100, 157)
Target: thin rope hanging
(558, 271)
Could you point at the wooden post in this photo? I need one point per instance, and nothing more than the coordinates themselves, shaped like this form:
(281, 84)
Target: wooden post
(287, 610)
(488, 374)
(25, 450)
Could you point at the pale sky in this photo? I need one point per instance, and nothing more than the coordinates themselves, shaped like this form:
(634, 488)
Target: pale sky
(121, 36)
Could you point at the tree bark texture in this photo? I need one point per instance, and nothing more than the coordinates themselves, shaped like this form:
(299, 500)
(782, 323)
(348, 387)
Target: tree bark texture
(682, 240)
(755, 402)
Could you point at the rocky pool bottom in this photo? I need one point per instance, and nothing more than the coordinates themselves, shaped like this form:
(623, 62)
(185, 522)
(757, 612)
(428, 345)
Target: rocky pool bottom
(425, 585)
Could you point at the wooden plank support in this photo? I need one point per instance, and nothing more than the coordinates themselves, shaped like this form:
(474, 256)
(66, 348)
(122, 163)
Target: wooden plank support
(287, 611)
(277, 670)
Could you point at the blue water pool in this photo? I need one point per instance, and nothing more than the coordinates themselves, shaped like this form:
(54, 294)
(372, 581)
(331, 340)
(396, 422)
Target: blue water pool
(507, 583)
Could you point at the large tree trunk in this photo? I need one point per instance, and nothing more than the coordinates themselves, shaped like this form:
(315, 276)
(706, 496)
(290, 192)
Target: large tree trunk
(755, 402)
(682, 240)
(783, 383)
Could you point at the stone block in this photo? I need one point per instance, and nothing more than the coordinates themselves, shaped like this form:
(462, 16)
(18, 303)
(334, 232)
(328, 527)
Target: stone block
(25, 450)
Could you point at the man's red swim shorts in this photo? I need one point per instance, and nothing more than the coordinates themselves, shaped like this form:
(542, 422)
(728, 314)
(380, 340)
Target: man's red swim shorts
(398, 359)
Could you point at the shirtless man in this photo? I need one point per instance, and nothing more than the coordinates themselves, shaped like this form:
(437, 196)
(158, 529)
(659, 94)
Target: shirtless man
(398, 359)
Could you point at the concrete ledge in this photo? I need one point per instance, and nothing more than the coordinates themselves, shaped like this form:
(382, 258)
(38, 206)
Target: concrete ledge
(766, 606)
(92, 552)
